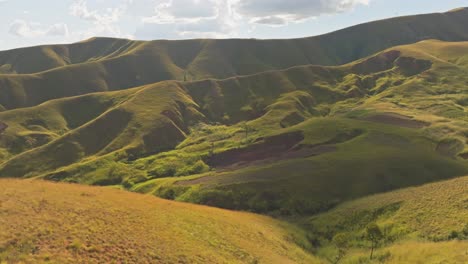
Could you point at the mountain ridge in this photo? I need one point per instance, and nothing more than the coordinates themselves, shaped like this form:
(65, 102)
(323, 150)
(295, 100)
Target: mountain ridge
(313, 50)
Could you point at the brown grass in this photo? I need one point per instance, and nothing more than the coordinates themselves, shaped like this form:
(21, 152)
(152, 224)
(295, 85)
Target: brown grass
(62, 223)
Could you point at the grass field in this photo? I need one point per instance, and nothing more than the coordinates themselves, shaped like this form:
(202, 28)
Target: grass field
(426, 224)
(60, 223)
(296, 141)
(45, 222)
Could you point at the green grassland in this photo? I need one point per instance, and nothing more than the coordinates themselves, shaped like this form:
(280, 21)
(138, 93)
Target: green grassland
(45, 222)
(291, 142)
(30, 76)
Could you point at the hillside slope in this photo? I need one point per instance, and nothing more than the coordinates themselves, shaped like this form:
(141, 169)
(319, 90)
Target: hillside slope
(296, 141)
(45, 222)
(425, 224)
(35, 75)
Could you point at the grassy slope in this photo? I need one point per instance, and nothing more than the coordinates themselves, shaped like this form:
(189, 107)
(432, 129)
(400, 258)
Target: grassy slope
(112, 64)
(426, 224)
(59, 223)
(383, 155)
(138, 121)
(382, 158)
(364, 147)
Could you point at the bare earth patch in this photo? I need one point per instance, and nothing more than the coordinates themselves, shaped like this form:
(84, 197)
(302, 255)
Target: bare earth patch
(397, 120)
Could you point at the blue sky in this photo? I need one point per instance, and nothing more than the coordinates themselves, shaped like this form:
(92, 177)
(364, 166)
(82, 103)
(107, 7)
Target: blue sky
(34, 22)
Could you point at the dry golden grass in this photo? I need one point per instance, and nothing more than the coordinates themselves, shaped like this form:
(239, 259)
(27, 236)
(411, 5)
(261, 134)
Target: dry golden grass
(453, 252)
(413, 252)
(42, 222)
(430, 211)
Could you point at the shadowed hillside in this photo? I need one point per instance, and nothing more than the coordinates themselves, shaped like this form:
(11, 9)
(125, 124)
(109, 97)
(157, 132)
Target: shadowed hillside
(43, 222)
(112, 64)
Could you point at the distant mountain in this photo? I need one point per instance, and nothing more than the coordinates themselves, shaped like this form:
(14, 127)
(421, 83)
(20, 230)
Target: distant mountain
(35, 75)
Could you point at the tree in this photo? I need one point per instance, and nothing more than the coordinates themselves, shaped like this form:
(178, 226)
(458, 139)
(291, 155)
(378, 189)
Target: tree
(247, 129)
(341, 242)
(374, 234)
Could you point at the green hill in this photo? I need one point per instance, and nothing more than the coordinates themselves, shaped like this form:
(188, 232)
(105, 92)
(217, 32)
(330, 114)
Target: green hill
(250, 125)
(426, 224)
(35, 75)
(58, 223)
(297, 141)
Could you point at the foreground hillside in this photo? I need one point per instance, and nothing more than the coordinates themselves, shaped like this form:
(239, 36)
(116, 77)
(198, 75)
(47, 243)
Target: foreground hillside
(46, 222)
(58, 223)
(30, 76)
(426, 224)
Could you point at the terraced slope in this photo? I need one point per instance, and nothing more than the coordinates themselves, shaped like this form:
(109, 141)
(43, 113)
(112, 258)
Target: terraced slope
(35, 75)
(46, 222)
(296, 141)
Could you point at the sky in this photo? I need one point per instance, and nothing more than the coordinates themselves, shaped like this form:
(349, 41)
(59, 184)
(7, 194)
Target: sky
(35, 22)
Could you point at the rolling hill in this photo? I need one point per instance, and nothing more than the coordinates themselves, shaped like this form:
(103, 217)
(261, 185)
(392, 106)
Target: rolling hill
(60, 223)
(38, 74)
(394, 119)
(329, 134)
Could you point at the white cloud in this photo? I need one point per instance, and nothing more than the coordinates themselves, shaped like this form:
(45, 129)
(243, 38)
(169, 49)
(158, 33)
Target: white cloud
(189, 19)
(104, 22)
(79, 8)
(179, 18)
(22, 28)
(281, 12)
(183, 11)
(218, 18)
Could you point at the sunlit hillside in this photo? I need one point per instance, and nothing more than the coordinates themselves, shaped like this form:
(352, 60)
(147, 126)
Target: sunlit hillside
(30, 76)
(58, 223)
(426, 224)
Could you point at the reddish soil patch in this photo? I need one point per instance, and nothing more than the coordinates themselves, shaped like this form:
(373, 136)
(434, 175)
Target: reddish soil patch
(268, 148)
(300, 151)
(411, 66)
(397, 120)
(381, 62)
(284, 146)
